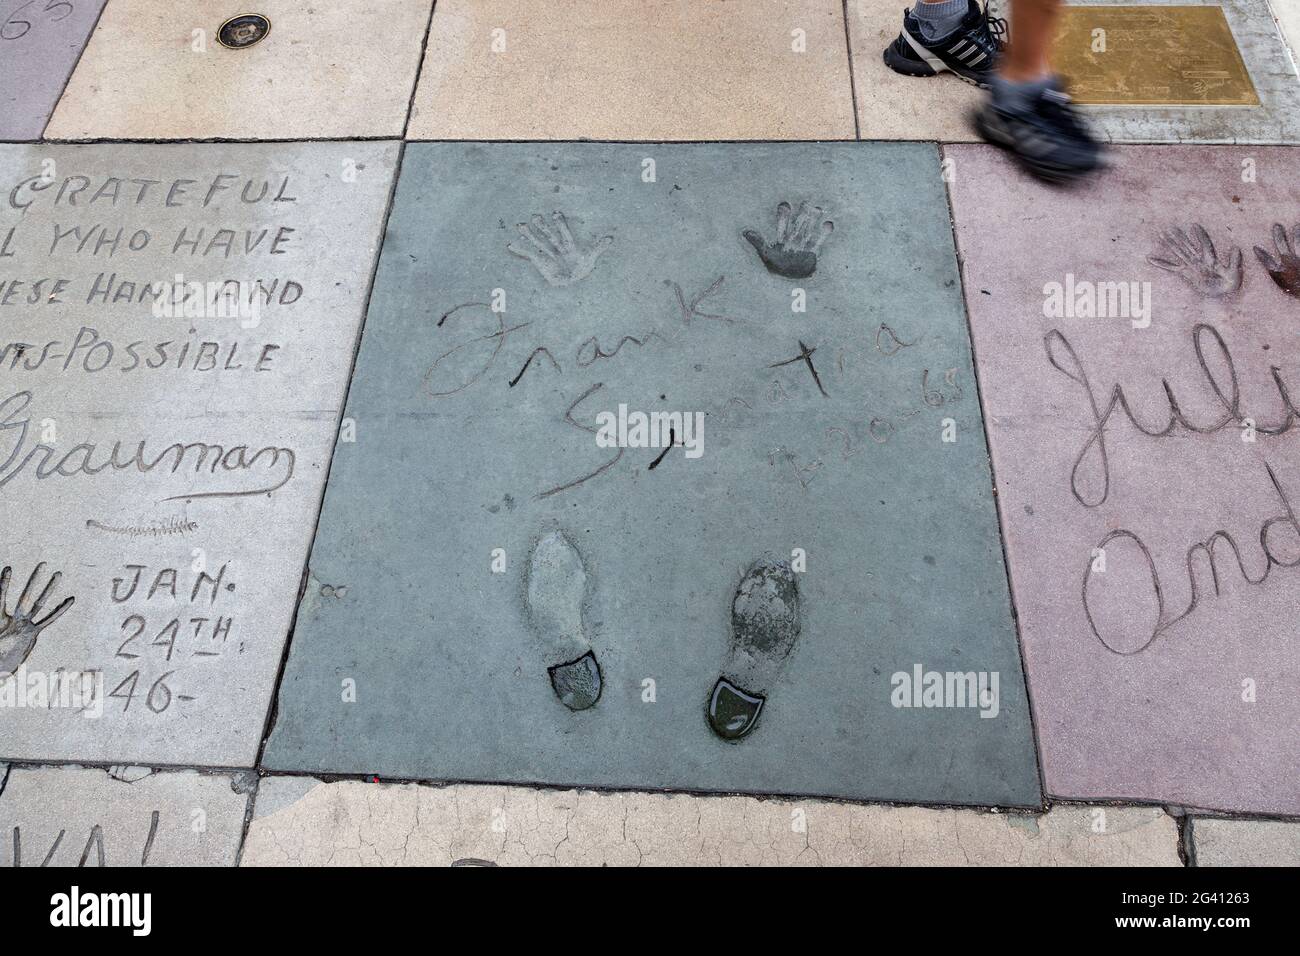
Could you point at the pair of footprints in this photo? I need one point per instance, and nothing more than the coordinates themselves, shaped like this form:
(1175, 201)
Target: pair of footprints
(562, 259)
(1194, 258)
(764, 626)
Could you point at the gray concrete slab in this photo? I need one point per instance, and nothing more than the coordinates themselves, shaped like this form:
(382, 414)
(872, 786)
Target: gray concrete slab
(656, 277)
(39, 47)
(127, 816)
(168, 468)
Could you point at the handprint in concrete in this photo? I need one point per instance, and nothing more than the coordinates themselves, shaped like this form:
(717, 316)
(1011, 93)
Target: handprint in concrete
(1285, 268)
(793, 253)
(19, 630)
(764, 626)
(561, 259)
(1196, 261)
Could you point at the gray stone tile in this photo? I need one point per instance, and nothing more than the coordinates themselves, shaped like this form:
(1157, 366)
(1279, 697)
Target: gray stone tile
(412, 658)
(128, 816)
(300, 821)
(1217, 842)
(174, 484)
(39, 47)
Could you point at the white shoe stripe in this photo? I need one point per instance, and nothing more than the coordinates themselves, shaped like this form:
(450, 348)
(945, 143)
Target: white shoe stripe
(935, 63)
(979, 59)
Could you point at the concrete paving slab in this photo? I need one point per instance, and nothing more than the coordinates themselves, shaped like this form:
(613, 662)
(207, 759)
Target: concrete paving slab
(154, 69)
(635, 69)
(756, 611)
(1288, 16)
(1145, 455)
(891, 106)
(39, 46)
(127, 816)
(1217, 842)
(161, 467)
(303, 822)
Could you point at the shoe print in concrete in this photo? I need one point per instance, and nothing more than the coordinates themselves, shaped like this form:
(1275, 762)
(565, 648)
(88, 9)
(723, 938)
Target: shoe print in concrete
(155, 69)
(557, 589)
(178, 326)
(676, 410)
(39, 46)
(635, 70)
(764, 627)
(124, 817)
(1138, 393)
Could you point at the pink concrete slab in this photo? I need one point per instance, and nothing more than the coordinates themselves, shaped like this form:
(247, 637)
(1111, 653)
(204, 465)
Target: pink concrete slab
(1156, 678)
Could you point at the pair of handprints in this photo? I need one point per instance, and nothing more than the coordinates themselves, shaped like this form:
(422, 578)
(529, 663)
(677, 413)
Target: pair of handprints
(563, 259)
(1194, 258)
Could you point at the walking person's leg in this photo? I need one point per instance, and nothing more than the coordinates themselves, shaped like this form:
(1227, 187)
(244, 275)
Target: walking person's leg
(1029, 113)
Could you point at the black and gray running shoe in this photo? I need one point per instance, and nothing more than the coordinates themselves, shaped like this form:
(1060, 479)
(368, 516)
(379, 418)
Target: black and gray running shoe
(1047, 136)
(970, 51)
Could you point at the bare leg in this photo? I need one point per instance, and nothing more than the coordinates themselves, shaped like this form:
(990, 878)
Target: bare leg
(1033, 25)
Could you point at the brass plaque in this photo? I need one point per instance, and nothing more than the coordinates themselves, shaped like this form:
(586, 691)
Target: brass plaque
(1151, 55)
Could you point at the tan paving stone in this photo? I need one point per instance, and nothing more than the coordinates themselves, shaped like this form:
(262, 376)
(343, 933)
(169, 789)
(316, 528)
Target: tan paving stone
(301, 821)
(893, 106)
(1218, 842)
(635, 69)
(147, 74)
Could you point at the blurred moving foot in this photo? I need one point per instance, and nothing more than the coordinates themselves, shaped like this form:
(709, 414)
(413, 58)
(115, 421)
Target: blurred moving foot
(1040, 127)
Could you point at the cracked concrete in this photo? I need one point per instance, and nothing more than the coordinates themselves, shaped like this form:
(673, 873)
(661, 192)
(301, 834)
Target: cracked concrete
(304, 822)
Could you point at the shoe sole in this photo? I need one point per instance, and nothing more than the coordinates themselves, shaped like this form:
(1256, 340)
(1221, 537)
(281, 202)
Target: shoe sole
(930, 65)
(1003, 140)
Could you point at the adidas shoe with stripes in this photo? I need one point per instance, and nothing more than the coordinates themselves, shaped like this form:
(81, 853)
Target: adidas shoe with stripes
(970, 51)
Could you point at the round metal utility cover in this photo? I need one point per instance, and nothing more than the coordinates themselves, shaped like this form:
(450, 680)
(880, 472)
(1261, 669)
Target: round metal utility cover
(243, 31)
